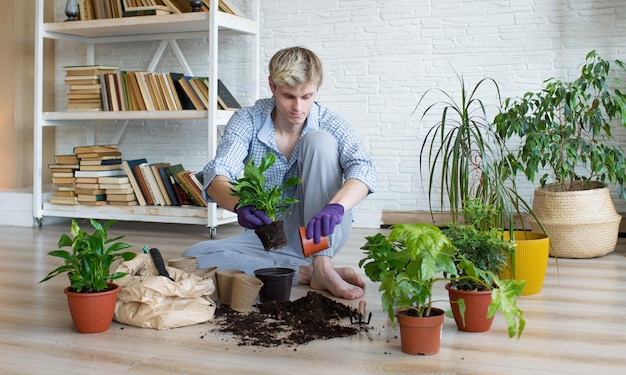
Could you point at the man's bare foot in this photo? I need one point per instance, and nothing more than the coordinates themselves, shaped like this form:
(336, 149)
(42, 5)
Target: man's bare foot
(346, 273)
(340, 282)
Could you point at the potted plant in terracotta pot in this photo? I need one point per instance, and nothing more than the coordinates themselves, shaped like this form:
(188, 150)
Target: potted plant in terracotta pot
(252, 190)
(482, 253)
(566, 128)
(92, 294)
(407, 263)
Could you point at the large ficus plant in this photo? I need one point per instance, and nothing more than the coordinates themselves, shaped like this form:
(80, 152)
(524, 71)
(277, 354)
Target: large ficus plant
(88, 264)
(566, 127)
(252, 189)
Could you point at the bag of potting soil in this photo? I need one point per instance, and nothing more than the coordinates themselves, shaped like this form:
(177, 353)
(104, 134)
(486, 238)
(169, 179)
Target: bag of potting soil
(148, 300)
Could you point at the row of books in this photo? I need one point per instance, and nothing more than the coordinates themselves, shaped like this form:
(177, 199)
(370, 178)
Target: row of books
(97, 175)
(98, 88)
(162, 184)
(103, 9)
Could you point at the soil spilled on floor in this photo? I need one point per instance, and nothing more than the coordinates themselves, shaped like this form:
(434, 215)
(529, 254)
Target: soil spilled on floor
(289, 323)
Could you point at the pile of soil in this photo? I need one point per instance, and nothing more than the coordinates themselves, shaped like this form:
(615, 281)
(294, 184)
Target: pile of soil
(288, 323)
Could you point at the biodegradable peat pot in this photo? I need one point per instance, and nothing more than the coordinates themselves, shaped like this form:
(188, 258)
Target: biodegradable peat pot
(92, 312)
(531, 260)
(581, 223)
(272, 236)
(309, 247)
(225, 284)
(187, 263)
(245, 290)
(209, 273)
(277, 283)
(421, 335)
(476, 309)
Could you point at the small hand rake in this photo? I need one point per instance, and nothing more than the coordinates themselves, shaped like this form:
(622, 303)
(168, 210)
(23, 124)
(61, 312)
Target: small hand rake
(360, 315)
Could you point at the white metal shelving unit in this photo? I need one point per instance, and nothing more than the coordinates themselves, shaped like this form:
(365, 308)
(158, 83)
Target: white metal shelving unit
(167, 29)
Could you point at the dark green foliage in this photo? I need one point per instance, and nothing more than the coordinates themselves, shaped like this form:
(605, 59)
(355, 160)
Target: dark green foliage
(88, 264)
(566, 127)
(480, 243)
(252, 190)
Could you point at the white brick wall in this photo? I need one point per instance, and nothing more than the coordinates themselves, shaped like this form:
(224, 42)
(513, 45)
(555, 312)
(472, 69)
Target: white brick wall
(379, 58)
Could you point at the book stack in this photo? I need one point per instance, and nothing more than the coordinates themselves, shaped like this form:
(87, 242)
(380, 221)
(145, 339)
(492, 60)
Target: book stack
(63, 179)
(118, 190)
(85, 84)
(95, 162)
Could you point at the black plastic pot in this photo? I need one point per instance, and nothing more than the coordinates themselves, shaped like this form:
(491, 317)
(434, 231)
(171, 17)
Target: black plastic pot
(276, 283)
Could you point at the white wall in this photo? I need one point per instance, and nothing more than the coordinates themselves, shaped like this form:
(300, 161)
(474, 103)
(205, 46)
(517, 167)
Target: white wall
(380, 56)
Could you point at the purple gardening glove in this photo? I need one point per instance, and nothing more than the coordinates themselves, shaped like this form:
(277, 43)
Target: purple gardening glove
(251, 217)
(323, 223)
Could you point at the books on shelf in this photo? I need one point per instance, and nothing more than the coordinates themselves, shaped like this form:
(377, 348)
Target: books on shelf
(107, 9)
(128, 166)
(226, 100)
(149, 91)
(91, 149)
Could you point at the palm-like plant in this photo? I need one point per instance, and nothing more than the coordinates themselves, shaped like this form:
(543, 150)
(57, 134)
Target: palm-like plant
(466, 156)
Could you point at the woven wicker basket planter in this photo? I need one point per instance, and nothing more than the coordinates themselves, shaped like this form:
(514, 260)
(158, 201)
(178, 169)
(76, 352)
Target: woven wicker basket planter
(580, 223)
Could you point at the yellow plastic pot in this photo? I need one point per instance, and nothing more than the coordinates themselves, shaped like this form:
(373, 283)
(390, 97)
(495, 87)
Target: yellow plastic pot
(531, 260)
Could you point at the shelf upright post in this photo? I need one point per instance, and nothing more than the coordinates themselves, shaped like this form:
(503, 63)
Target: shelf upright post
(38, 125)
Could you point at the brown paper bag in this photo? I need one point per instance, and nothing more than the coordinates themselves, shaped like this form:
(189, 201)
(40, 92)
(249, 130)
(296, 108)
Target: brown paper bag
(151, 301)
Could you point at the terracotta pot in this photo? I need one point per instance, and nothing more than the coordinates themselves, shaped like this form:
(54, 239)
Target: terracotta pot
(309, 247)
(277, 283)
(92, 312)
(476, 309)
(421, 335)
(531, 260)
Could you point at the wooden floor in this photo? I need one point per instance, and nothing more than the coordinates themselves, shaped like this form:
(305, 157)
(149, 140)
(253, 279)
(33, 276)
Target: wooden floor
(576, 325)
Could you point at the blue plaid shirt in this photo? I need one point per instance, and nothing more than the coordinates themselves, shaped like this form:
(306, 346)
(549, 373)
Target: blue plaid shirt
(250, 134)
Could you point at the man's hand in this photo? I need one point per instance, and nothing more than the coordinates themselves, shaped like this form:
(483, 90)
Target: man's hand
(250, 217)
(323, 223)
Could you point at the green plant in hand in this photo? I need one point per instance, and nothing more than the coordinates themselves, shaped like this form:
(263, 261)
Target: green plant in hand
(88, 265)
(251, 189)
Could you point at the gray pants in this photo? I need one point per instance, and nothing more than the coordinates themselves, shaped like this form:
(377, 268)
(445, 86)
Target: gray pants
(322, 177)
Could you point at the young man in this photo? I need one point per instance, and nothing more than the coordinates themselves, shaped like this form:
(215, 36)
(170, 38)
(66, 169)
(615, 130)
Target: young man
(309, 142)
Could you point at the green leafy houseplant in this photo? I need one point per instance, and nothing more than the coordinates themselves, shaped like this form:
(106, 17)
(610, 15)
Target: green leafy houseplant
(566, 127)
(466, 156)
(564, 134)
(89, 262)
(480, 243)
(413, 257)
(251, 189)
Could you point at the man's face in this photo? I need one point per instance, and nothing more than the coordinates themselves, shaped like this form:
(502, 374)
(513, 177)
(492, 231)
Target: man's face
(293, 104)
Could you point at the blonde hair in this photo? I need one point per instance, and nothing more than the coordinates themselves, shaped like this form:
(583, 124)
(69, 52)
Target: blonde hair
(295, 66)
